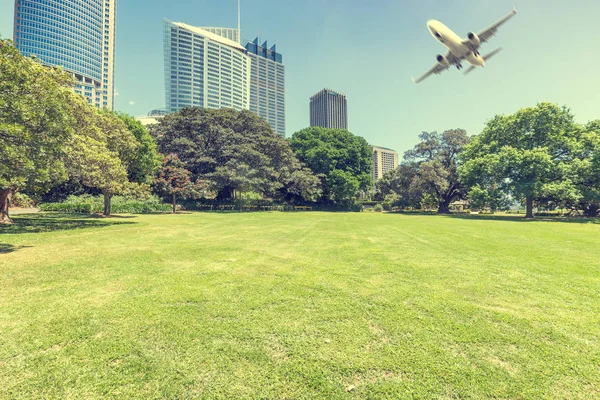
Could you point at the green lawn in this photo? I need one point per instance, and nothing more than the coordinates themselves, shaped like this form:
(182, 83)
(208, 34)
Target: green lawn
(299, 305)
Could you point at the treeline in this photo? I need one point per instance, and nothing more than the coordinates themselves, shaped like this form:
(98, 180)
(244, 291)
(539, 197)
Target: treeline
(538, 156)
(53, 145)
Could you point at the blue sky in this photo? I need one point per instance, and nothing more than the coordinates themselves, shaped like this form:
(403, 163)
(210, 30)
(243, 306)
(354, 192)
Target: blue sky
(369, 49)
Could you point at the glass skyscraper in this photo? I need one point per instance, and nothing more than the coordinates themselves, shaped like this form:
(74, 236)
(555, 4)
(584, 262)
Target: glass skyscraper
(204, 68)
(77, 35)
(329, 109)
(267, 84)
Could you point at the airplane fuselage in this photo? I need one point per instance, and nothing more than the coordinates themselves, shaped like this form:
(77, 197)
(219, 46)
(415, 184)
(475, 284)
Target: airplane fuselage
(454, 43)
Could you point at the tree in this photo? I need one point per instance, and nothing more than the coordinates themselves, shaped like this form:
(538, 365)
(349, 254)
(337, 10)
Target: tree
(585, 172)
(35, 124)
(174, 181)
(435, 161)
(397, 185)
(523, 153)
(341, 160)
(100, 151)
(145, 160)
(231, 151)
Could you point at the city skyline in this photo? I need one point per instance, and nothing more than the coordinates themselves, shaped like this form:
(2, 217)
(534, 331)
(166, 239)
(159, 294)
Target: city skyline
(386, 107)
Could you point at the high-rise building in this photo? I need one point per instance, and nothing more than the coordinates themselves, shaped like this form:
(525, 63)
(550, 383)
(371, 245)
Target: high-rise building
(77, 35)
(329, 109)
(204, 69)
(267, 84)
(383, 160)
(228, 33)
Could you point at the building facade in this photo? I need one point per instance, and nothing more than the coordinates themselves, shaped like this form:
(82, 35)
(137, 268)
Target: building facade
(267, 84)
(204, 69)
(228, 33)
(77, 35)
(329, 109)
(383, 160)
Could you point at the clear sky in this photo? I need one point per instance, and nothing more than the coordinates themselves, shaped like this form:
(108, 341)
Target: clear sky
(369, 49)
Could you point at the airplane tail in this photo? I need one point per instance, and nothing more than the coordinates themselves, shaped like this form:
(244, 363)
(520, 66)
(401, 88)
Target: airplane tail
(485, 58)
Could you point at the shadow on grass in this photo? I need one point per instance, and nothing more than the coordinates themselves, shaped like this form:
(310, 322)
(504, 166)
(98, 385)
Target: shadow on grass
(6, 248)
(508, 217)
(51, 222)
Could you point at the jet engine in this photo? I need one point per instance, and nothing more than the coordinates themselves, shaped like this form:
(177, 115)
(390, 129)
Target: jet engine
(474, 39)
(443, 61)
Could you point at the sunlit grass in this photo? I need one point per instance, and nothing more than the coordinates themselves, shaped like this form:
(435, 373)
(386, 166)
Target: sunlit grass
(299, 305)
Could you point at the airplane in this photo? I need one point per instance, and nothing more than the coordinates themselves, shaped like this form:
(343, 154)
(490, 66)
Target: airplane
(459, 49)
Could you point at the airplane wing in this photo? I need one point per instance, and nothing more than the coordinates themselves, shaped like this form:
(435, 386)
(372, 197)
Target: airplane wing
(490, 31)
(485, 58)
(438, 68)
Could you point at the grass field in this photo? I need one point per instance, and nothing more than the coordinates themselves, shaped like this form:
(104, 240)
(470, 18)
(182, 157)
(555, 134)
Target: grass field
(299, 305)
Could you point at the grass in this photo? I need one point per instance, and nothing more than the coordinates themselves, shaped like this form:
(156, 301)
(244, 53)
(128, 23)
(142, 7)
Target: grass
(299, 305)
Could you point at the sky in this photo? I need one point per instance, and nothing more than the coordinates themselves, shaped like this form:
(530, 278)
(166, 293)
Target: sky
(369, 49)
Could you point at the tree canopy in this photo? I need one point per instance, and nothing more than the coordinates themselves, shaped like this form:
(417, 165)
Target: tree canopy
(525, 154)
(341, 159)
(34, 124)
(174, 181)
(231, 151)
(429, 173)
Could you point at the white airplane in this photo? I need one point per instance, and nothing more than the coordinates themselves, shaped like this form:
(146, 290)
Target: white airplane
(459, 49)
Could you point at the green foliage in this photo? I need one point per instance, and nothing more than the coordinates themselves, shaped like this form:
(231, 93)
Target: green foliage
(174, 181)
(120, 204)
(232, 152)
(340, 159)
(35, 124)
(378, 207)
(524, 152)
(428, 177)
(146, 160)
(22, 200)
(491, 197)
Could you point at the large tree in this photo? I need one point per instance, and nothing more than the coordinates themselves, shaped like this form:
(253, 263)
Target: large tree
(432, 166)
(35, 124)
(341, 159)
(232, 151)
(100, 151)
(525, 154)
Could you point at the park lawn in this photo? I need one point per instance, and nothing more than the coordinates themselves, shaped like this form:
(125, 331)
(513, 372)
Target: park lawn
(299, 305)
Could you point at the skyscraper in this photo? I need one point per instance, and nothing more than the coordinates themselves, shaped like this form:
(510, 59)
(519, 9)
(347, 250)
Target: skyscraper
(204, 69)
(383, 160)
(329, 109)
(77, 35)
(267, 84)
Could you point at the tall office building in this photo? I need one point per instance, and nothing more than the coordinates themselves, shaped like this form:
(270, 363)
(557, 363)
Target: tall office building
(383, 160)
(229, 33)
(204, 69)
(329, 109)
(77, 35)
(267, 84)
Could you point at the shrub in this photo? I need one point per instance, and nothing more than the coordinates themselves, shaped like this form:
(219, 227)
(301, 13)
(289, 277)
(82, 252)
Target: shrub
(22, 200)
(120, 205)
(378, 207)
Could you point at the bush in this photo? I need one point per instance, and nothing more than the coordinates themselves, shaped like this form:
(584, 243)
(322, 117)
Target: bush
(378, 207)
(22, 200)
(88, 204)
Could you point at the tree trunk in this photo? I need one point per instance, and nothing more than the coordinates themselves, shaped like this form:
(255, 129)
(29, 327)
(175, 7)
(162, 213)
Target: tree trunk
(591, 210)
(529, 206)
(225, 194)
(174, 204)
(107, 199)
(444, 207)
(5, 196)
